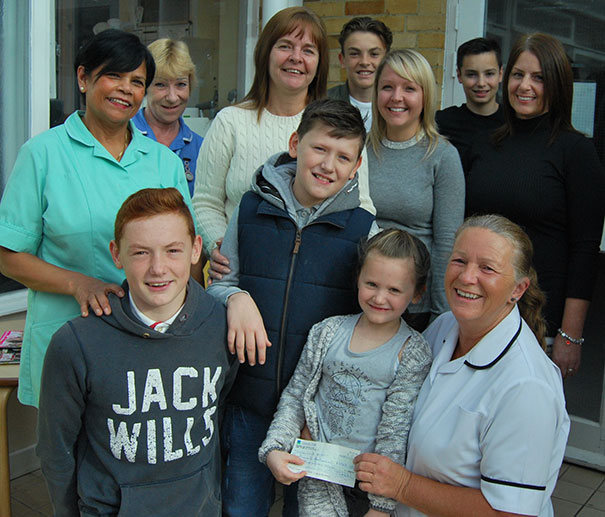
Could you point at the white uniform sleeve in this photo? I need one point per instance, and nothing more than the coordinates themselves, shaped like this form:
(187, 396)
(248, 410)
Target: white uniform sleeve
(518, 446)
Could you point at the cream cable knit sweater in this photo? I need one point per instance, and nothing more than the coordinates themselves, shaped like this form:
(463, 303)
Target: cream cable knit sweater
(234, 147)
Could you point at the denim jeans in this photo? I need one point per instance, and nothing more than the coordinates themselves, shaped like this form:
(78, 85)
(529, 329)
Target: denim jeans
(248, 488)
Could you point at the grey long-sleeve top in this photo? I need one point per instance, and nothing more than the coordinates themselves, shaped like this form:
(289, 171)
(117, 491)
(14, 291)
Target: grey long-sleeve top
(423, 195)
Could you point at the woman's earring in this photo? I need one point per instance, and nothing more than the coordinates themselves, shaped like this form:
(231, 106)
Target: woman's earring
(82, 89)
(513, 299)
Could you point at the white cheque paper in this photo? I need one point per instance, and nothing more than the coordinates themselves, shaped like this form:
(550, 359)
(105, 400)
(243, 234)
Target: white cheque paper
(325, 461)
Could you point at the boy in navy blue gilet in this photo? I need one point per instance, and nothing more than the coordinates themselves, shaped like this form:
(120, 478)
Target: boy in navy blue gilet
(129, 401)
(292, 250)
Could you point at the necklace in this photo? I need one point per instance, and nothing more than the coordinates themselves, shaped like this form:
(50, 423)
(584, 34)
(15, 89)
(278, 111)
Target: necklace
(125, 145)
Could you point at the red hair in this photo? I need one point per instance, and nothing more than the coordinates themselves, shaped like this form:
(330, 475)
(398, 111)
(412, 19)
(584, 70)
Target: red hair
(149, 202)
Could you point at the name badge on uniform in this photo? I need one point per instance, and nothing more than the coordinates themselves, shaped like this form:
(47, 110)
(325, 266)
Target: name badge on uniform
(188, 173)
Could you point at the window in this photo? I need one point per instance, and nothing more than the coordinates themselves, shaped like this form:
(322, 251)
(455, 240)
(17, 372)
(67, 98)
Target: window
(40, 38)
(14, 77)
(578, 25)
(211, 30)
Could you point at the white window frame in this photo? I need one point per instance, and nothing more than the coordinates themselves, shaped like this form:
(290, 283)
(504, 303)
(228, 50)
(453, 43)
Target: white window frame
(42, 63)
(462, 24)
(40, 54)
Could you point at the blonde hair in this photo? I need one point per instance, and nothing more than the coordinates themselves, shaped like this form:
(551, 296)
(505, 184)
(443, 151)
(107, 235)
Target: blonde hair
(172, 60)
(412, 66)
(533, 300)
(288, 21)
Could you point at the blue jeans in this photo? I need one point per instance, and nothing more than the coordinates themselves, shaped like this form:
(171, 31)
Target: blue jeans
(248, 486)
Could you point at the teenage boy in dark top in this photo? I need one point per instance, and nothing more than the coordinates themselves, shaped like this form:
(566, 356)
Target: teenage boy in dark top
(129, 402)
(363, 43)
(479, 71)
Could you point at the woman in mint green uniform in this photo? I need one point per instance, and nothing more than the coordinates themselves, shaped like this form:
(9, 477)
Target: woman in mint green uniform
(59, 206)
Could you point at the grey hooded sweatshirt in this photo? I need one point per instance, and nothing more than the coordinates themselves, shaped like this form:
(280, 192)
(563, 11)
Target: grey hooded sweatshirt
(128, 416)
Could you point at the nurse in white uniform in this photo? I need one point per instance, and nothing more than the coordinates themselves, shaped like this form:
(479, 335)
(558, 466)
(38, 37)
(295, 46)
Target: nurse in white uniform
(490, 425)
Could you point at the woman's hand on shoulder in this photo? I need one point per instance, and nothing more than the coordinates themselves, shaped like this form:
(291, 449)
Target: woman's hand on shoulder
(91, 292)
(380, 475)
(39, 275)
(277, 461)
(219, 264)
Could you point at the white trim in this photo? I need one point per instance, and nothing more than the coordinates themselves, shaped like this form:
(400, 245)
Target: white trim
(465, 20)
(270, 7)
(42, 52)
(585, 443)
(13, 302)
(593, 460)
(249, 28)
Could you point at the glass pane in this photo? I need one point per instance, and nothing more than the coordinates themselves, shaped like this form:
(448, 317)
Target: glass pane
(210, 28)
(14, 75)
(578, 24)
(14, 81)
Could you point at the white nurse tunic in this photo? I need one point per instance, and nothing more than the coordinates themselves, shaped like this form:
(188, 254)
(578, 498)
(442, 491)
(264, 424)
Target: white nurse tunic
(493, 419)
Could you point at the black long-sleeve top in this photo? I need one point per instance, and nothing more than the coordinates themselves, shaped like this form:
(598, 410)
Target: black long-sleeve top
(461, 126)
(555, 192)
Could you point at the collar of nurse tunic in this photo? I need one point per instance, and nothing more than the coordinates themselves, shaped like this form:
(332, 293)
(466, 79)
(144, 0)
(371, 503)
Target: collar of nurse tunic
(486, 353)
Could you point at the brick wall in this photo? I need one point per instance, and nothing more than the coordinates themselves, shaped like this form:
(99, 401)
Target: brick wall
(417, 24)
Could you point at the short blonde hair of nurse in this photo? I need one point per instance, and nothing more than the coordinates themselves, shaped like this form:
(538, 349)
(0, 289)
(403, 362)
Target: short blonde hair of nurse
(533, 300)
(412, 66)
(172, 60)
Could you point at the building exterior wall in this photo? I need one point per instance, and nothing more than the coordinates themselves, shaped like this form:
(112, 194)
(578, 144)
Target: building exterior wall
(417, 24)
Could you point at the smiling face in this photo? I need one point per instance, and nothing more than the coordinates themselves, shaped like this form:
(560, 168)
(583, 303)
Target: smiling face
(386, 286)
(480, 77)
(363, 52)
(400, 103)
(480, 281)
(324, 164)
(526, 87)
(156, 254)
(293, 61)
(167, 99)
(113, 98)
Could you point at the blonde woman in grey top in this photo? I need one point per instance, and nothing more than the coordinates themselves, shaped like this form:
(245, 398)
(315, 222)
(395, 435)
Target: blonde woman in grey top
(416, 179)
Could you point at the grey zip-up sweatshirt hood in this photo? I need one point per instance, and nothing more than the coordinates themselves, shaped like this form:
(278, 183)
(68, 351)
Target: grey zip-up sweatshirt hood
(272, 181)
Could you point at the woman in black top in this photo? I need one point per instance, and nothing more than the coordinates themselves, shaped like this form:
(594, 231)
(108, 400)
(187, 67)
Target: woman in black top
(540, 172)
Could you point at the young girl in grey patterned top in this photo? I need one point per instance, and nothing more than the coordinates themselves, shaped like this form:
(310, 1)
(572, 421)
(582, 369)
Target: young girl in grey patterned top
(357, 379)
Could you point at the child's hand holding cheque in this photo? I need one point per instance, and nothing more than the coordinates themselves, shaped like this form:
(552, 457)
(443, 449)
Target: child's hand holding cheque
(278, 461)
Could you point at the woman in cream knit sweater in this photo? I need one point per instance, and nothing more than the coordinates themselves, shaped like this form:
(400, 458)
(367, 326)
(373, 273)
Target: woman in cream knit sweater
(291, 60)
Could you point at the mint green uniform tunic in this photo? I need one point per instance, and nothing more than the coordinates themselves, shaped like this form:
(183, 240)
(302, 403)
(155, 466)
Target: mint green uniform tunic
(60, 204)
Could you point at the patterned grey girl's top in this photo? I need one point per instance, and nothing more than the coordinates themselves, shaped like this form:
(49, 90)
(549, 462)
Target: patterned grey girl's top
(353, 388)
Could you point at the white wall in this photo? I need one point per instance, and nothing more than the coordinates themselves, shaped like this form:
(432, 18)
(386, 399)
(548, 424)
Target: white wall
(465, 20)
